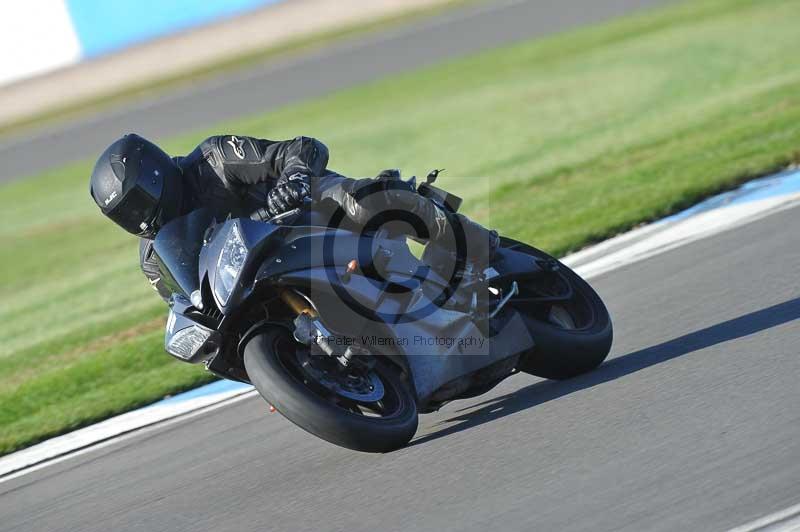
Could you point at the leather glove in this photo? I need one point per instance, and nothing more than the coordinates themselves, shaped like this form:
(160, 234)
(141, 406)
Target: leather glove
(289, 194)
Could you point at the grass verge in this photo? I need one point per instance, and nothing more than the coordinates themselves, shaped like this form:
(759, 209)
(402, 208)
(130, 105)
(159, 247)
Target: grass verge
(560, 142)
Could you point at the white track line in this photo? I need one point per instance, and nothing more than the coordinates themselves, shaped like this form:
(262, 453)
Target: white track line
(697, 228)
(752, 201)
(787, 520)
(155, 425)
(217, 393)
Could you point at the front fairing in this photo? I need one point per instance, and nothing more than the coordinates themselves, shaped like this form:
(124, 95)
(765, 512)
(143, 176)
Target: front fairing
(184, 319)
(177, 247)
(255, 237)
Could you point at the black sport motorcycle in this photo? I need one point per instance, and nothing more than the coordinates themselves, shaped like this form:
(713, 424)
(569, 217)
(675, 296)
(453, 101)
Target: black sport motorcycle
(350, 335)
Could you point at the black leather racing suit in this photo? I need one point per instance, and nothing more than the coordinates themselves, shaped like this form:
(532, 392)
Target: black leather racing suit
(233, 174)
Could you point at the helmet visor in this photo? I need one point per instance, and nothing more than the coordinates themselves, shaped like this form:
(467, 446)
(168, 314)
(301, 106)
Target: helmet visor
(137, 211)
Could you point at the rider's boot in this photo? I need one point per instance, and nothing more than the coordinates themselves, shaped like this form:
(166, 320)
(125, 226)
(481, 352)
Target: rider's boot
(461, 244)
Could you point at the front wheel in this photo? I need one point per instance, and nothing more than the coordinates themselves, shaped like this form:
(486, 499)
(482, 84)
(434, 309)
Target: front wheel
(368, 410)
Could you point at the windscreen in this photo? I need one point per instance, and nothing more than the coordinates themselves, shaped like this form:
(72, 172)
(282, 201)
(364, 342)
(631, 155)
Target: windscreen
(177, 248)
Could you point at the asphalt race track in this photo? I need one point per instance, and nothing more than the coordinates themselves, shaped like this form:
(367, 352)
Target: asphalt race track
(693, 424)
(454, 33)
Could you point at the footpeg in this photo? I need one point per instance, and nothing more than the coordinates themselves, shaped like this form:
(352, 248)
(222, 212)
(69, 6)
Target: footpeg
(511, 293)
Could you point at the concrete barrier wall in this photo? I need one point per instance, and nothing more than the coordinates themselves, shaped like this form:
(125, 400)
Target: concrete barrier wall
(42, 35)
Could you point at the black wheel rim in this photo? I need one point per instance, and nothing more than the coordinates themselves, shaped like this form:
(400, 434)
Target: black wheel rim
(390, 405)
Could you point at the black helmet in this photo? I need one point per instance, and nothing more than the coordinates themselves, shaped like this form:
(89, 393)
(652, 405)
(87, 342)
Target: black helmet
(137, 185)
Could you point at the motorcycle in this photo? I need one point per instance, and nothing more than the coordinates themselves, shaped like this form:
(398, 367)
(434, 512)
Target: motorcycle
(350, 335)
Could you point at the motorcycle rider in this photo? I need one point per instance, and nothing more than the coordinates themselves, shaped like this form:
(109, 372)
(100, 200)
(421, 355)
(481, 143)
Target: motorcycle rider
(141, 188)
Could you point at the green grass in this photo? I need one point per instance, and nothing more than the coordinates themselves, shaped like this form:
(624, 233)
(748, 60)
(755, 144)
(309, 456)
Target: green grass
(559, 142)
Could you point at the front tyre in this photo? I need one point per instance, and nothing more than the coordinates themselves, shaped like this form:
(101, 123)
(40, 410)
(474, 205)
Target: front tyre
(277, 367)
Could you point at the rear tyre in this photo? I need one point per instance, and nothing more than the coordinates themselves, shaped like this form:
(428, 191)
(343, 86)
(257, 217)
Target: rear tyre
(271, 361)
(571, 337)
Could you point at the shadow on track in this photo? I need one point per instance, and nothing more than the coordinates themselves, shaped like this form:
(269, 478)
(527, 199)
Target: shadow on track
(542, 392)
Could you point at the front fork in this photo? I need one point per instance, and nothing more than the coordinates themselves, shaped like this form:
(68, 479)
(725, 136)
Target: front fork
(309, 330)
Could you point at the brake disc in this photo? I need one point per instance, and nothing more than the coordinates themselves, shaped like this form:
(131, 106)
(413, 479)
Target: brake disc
(363, 388)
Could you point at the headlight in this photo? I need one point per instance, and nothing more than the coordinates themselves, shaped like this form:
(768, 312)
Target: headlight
(229, 265)
(186, 342)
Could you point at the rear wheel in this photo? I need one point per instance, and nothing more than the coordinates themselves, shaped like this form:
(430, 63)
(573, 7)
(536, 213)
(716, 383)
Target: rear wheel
(369, 410)
(568, 321)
